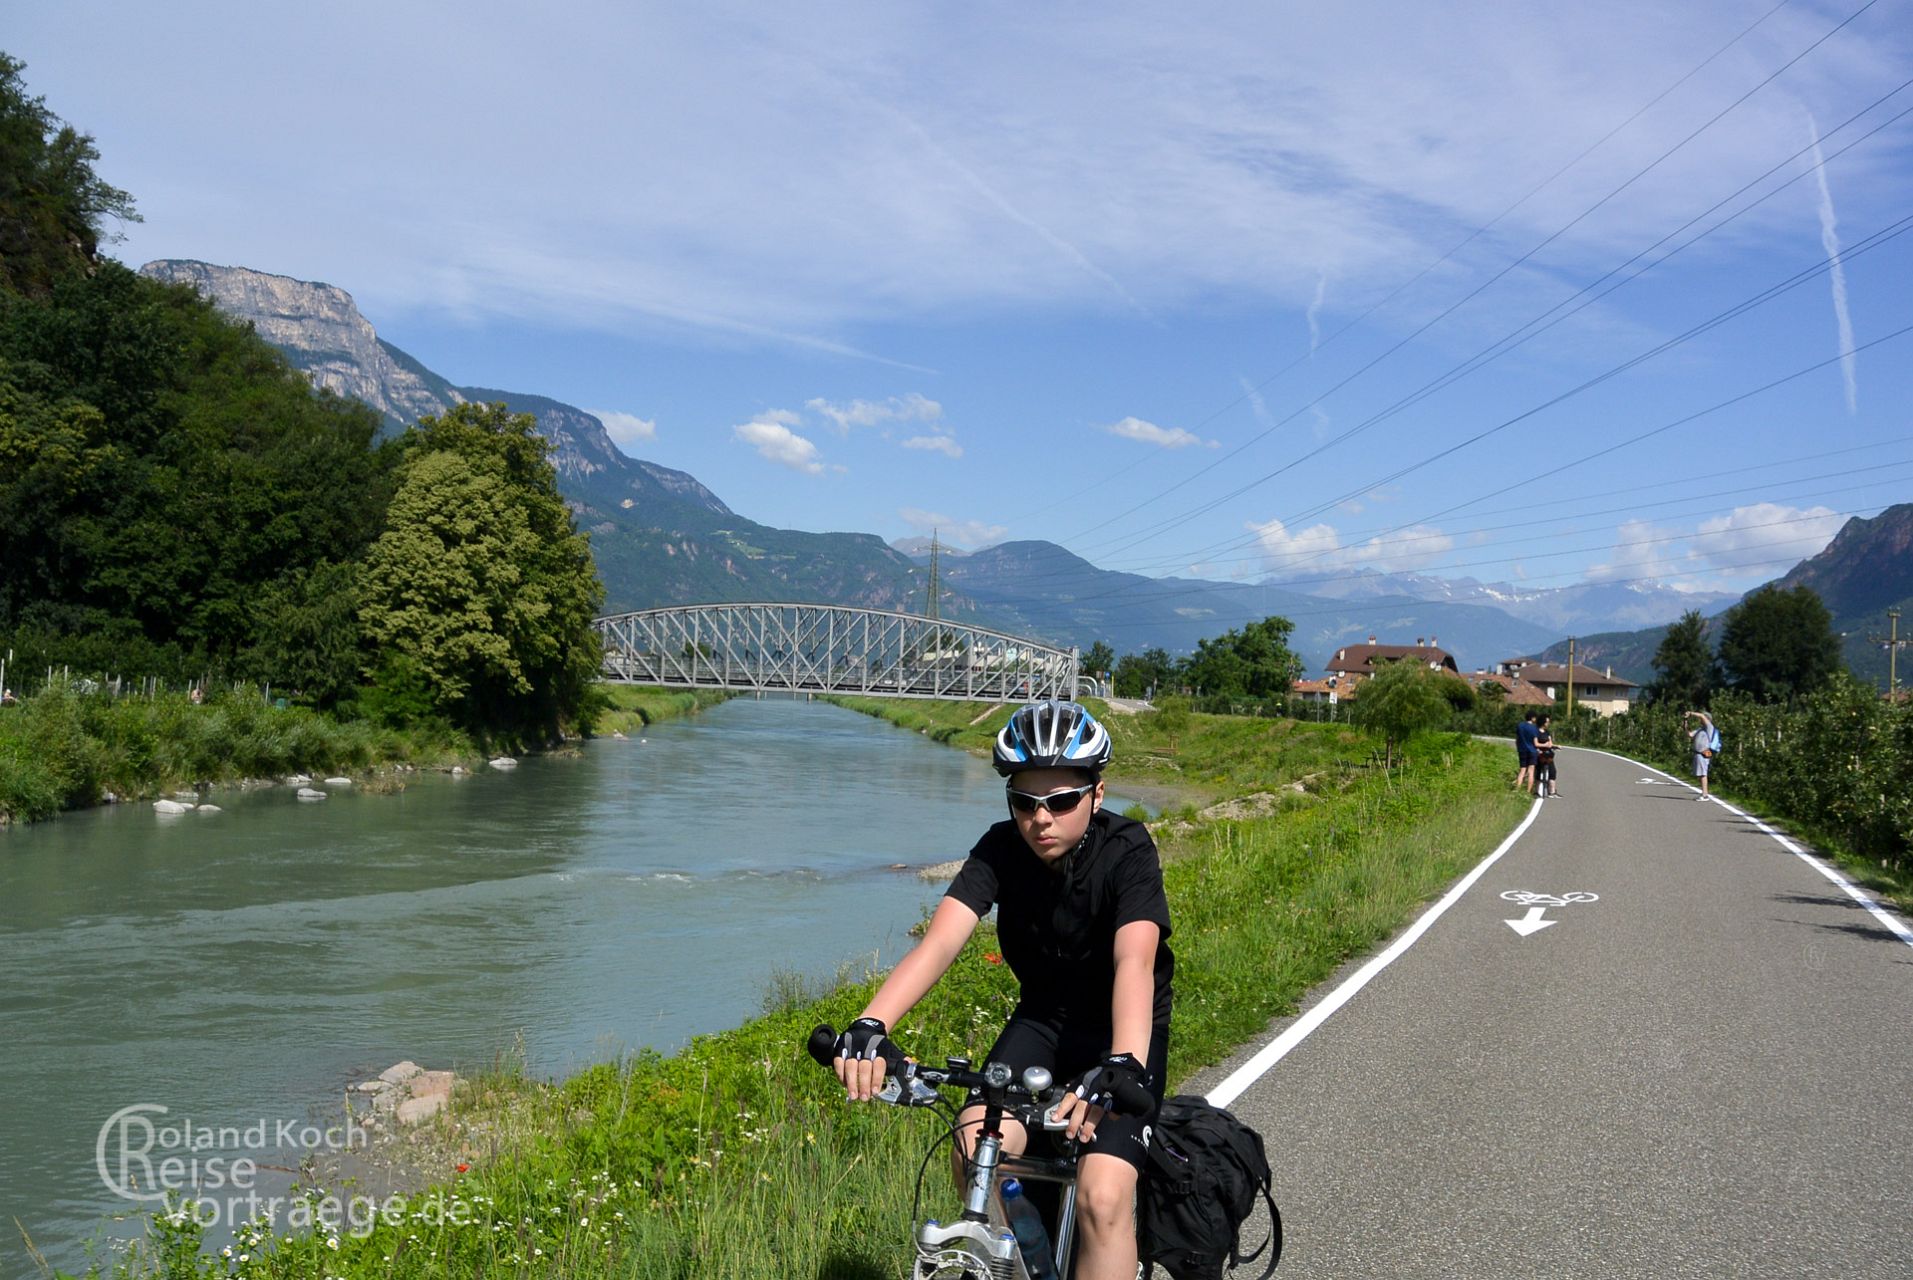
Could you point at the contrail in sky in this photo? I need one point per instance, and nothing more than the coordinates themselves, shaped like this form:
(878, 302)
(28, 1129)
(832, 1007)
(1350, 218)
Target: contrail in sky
(1830, 240)
(1315, 312)
(1010, 211)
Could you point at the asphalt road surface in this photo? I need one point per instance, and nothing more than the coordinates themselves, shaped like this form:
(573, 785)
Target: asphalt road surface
(1705, 1069)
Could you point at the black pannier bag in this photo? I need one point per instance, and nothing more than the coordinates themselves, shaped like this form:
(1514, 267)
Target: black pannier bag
(1205, 1170)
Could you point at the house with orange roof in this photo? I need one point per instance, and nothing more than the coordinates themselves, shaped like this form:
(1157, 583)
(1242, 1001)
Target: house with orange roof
(1601, 691)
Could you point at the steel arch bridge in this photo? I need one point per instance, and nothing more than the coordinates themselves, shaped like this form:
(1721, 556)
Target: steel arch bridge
(816, 648)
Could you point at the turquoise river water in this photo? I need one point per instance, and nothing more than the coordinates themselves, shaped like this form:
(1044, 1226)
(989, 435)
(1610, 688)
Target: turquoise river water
(246, 966)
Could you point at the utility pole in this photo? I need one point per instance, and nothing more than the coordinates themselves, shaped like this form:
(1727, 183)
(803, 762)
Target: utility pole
(1891, 642)
(1570, 677)
(933, 576)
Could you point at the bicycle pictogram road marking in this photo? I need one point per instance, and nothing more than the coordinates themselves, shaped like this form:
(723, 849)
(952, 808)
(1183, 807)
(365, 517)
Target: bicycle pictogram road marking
(1528, 899)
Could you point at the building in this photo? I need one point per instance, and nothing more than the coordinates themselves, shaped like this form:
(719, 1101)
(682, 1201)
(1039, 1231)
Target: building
(1515, 691)
(1358, 662)
(1601, 691)
(1363, 660)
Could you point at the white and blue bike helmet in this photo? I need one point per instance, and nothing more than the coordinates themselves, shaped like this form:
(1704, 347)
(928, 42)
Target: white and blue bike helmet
(1051, 735)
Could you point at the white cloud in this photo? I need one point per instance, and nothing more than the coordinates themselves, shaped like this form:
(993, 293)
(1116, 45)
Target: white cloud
(969, 534)
(945, 445)
(1318, 549)
(1757, 542)
(912, 407)
(777, 443)
(1150, 433)
(924, 162)
(626, 429)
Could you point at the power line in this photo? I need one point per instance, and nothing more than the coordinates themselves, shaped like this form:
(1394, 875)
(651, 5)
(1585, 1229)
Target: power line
(1516, 337)
(1874, 241)
(1483, 357)
(1358, 606)
(1463, 243)
(1668, 426)
(1379, 538)
(1501, 274)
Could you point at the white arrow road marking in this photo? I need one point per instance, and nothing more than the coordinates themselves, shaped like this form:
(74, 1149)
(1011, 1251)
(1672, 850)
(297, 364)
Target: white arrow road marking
(1530, 923)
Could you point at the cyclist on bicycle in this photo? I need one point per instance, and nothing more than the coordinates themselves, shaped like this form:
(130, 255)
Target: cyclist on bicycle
(1084, 926)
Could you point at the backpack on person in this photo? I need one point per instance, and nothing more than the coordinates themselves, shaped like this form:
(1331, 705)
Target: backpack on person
(1713, 740)
(1205, 1170)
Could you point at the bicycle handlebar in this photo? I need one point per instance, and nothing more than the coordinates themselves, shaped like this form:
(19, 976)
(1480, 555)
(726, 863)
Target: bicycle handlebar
(996, 1082)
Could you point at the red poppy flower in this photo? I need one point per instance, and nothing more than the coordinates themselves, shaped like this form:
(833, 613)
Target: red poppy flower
(463, 1167)
(993, 957)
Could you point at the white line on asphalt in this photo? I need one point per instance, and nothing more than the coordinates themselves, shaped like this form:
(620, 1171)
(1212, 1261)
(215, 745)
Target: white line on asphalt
(1298, 1031)
(1852, 890)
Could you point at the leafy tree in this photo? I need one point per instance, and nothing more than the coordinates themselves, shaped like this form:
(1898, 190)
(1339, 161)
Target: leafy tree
(1138, 673)
(480, 587)
(1685, 669)
(52, 205)
(1400, 701)
(1100, 660)
(1778, 643)
(160, 468)
(1254, 662)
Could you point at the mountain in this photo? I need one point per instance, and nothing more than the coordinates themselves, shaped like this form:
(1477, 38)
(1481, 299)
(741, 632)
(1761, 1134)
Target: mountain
(1586, 606)
(918, 549)
(1866, 570)
(1050, 590)
(661, 537)
(658, 535)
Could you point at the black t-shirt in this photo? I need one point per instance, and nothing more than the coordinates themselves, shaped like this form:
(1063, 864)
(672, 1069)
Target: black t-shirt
(1058, 927)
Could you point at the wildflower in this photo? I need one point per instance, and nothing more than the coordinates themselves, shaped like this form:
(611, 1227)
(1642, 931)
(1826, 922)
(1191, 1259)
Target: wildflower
(993, 957)
(463, 1167)
(332, 1242)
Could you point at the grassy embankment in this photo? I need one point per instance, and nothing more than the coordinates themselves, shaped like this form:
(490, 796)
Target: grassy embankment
(65, 749)
(628, 708)
(738, 1158)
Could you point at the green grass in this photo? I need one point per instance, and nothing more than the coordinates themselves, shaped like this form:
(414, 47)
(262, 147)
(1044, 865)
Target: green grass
(63, 749)
(629, 708)
(738, 1158)
(1203, 756)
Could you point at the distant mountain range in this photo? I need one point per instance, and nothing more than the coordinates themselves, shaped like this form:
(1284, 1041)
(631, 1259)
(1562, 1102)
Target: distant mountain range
(1599, 605)
(1866, 570)
(1049, 590)
(661, 537)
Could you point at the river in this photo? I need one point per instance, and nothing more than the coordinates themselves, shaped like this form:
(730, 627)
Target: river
(245, 966)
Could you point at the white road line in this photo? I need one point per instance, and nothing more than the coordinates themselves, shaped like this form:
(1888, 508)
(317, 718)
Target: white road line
(1255, 1068)
(1249, 1072)
(1852, 890)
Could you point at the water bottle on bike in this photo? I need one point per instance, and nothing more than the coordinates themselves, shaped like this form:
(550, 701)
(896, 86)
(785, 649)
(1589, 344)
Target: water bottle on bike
(1032, 1238)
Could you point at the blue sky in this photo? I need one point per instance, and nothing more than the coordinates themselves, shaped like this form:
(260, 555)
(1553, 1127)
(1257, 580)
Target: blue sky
(1187, 290)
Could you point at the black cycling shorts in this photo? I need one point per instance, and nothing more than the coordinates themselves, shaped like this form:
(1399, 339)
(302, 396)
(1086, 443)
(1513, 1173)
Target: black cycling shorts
(1030, 1042)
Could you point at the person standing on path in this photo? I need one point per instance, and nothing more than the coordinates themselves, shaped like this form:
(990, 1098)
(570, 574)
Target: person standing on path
(1544, 758)
(1703, 747)
(1524, 752)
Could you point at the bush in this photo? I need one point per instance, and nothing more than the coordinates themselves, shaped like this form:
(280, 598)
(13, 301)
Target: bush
(1835, 760)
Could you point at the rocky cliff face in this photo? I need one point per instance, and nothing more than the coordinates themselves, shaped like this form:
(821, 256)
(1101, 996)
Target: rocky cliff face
(658, 535)
(1867, 566)
(320, 329)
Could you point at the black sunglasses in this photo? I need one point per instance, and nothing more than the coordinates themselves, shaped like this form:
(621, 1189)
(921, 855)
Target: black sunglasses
(1056, 801)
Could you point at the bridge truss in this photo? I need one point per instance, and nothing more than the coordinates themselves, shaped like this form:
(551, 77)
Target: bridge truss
(815, 648)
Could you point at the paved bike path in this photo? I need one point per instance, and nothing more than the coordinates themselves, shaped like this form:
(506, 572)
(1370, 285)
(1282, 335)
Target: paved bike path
(1708, 1071)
